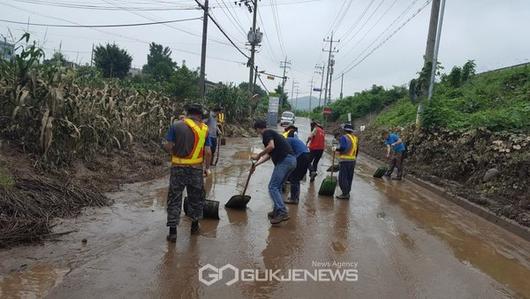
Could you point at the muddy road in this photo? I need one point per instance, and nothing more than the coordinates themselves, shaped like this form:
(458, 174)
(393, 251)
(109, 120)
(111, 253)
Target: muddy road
(391, 239)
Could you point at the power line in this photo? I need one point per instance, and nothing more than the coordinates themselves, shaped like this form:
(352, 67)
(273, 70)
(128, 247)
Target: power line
(364, 24)
(99, 26)
(102, 7)
(167, 25)
(223, 32)
(133, 39)
(276, 17)
(340, 15)
(388, 38)
(270, 50)
(356, 23)
(387, 29)
(373, 26)
(231, 17)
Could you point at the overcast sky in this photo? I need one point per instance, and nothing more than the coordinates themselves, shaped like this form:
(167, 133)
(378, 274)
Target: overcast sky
(493, 33)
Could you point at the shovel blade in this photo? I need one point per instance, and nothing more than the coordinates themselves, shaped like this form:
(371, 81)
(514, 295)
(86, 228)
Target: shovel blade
(211, 209)
(238, 202)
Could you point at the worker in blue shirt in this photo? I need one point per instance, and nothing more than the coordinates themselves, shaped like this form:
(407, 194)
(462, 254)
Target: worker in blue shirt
(395, 153)
(348, 151)
(303, 159)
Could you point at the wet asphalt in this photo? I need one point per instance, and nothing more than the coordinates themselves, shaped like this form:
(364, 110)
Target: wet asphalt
(398, 239)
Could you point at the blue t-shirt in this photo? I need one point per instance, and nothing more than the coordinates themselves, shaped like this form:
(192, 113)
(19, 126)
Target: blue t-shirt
(393, 138)
(298, 146)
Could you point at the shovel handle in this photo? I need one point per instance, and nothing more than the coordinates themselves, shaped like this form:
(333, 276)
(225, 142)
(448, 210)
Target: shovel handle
(332, 164)
(248, 179)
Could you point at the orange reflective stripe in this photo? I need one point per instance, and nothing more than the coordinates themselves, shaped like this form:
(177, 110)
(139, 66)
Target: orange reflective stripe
(197, 153)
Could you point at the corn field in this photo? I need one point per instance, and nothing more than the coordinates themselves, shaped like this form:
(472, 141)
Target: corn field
(44, 110)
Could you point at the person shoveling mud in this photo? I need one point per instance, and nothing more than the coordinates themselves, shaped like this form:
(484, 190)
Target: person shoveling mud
(188, 143)
(278, 149)
(348, 151)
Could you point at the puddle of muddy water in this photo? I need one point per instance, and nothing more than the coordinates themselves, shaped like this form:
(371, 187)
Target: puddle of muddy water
(34, 282)
(472, 249)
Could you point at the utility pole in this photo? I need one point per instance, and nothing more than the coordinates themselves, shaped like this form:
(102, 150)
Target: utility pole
(433, 28)
(255, 79)
(202, 75)
(330, 51)
(253, 39)
(430, 51)
(92, 56)
(436, 49)
(341, 85)
(320, 71)
(311, 96)
(331, 70)
(285, 65)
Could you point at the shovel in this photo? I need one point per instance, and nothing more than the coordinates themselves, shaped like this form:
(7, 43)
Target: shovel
(329, 183)
(239, 202)
(210, 208)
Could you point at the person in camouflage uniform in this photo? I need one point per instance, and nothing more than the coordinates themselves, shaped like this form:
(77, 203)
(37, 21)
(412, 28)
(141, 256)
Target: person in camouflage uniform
(188, 143)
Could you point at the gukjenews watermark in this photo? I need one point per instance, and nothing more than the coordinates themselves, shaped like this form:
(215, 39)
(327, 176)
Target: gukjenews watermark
(323, 272)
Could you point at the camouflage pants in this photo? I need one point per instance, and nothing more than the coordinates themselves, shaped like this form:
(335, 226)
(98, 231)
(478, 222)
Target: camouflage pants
(191, 179)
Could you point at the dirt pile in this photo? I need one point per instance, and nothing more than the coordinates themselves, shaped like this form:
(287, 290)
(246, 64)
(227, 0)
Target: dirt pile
(240, 130)
(32, 197)
(488, 168)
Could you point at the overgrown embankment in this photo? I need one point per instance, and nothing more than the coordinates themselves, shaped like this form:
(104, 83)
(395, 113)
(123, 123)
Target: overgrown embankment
(475, 139)
(489, 168)
(65, 138)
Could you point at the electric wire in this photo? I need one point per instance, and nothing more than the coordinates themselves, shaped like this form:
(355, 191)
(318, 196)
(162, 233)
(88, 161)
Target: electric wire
(359, 61)
(99, 25)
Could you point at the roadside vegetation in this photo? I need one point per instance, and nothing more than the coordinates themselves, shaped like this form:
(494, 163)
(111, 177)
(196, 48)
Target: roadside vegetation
(496, 100)
(59, 121)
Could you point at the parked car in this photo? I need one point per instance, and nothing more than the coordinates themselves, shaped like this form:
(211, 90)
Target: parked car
(287, 118)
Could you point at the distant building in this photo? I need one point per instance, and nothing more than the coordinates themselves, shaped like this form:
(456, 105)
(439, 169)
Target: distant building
(6, 50)
(209, 85)
(135, 71)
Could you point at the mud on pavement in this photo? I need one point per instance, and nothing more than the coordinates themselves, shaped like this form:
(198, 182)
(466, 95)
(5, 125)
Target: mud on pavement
(392, 239)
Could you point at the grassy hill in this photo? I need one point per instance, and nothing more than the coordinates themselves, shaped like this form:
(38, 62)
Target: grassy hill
(495, 100)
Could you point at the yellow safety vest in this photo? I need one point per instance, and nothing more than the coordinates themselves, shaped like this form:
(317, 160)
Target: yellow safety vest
(286, 134)
(221, 118)
(197, 153)
(352, 153)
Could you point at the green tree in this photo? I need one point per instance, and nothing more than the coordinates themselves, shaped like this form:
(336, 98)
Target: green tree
(468, 70)
(159, 65)
(183, 83)
(58, 59)
(112, 61)
(455, 77)
(232, 98)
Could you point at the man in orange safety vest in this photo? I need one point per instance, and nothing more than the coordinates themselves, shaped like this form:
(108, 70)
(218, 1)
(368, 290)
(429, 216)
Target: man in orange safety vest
(188, 143)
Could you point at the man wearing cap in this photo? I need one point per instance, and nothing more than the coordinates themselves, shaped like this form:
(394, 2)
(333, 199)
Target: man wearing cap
(301, 152)
(188, 143)
(347, 151)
